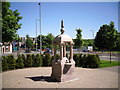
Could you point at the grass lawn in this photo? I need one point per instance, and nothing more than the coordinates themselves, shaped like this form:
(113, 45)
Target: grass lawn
(105, 63)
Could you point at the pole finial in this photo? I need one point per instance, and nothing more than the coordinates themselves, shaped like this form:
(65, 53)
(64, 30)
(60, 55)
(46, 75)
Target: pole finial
(62, 27)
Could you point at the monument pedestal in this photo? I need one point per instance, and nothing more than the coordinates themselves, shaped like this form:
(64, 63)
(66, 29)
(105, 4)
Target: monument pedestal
(63, 71)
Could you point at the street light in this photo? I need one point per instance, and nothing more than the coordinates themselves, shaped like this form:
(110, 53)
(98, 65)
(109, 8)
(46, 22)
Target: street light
(40, 27)
(36, 33)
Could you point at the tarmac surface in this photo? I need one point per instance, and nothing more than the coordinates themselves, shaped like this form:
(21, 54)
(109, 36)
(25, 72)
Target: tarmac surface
(40, 78)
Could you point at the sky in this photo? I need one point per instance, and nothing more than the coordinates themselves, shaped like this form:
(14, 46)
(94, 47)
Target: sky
(88, 16)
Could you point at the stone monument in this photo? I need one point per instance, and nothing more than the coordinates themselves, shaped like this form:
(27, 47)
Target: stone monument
(63, 68)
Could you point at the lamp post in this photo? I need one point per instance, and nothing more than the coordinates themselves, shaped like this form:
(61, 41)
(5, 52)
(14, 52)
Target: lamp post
(40, 27)
(36, 33)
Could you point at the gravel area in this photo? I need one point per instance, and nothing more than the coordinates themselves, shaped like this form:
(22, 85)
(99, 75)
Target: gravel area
(40, 78)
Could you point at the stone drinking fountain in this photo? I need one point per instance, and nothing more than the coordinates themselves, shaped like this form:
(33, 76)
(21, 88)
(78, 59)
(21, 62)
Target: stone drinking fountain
(63, 68)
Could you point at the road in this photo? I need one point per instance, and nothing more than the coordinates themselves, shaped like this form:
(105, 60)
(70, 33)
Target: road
(102, 56)
(107, 57)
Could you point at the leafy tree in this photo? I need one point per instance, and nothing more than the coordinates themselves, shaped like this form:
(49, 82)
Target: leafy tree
(43, 41)
(46, 41)
(106, 37)
(10, 23)
(118, 42)
(29, 42)
(49, 39)
(0, 22)
(87, 42)
(78, 40)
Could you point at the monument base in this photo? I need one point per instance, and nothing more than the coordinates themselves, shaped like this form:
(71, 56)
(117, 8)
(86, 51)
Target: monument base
(62, 71)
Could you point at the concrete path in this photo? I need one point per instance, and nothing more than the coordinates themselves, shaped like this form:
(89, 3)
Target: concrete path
(40, 78)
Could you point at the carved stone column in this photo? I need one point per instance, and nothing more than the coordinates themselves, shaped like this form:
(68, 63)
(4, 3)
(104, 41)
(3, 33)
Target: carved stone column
(55, 51)
(64, 50)
(71, 51)
(61, 51)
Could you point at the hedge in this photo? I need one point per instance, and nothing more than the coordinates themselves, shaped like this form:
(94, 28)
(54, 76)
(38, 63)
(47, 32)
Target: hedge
(82, 60)
(38, 60)
(4, 63)
(23, 57)
(33, 60)
(47, 60)
(28, 61)
(11, 62)
(19, 62)
(91, 62)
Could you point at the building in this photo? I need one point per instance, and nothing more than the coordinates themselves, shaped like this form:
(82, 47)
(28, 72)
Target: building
(7, 47)
(23, 40)
(0, 48)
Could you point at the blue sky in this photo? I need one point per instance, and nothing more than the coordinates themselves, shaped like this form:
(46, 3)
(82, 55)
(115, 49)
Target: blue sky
(84, 15)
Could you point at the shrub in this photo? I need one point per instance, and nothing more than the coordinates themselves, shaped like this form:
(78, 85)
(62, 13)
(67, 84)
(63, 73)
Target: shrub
(24, 59)
(84, 60)
(19, 62)
(47, 59)
(57, 56)
(43, 59)
(34, 60)
(28, 61)
(4, 63)
(76, 59)
(91, 62)
(98, 57)
(11, 62)
(80, 60)
(38, 60)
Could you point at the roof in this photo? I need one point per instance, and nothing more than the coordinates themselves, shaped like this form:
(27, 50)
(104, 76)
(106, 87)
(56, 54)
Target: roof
(62, 38)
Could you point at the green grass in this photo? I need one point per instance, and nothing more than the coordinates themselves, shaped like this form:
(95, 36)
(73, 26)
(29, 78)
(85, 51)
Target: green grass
(105, 63)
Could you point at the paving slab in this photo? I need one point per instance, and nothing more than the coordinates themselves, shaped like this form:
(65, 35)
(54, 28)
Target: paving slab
(40, 78)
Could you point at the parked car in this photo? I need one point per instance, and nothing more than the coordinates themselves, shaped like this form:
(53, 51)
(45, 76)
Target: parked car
(47, 51)
(85, 50)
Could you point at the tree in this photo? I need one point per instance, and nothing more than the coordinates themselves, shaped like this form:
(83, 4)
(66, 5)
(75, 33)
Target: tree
(87, 42)
(78, 40)
(46, 41)
(29, 42)
(118, 42)
(49, 39)
(106, 37)
(43, 41)
(10, 23)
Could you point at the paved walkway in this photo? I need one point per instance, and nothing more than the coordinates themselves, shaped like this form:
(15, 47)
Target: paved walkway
(40, 78)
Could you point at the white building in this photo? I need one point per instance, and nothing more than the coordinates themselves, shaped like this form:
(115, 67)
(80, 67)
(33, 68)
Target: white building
(7, 47)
